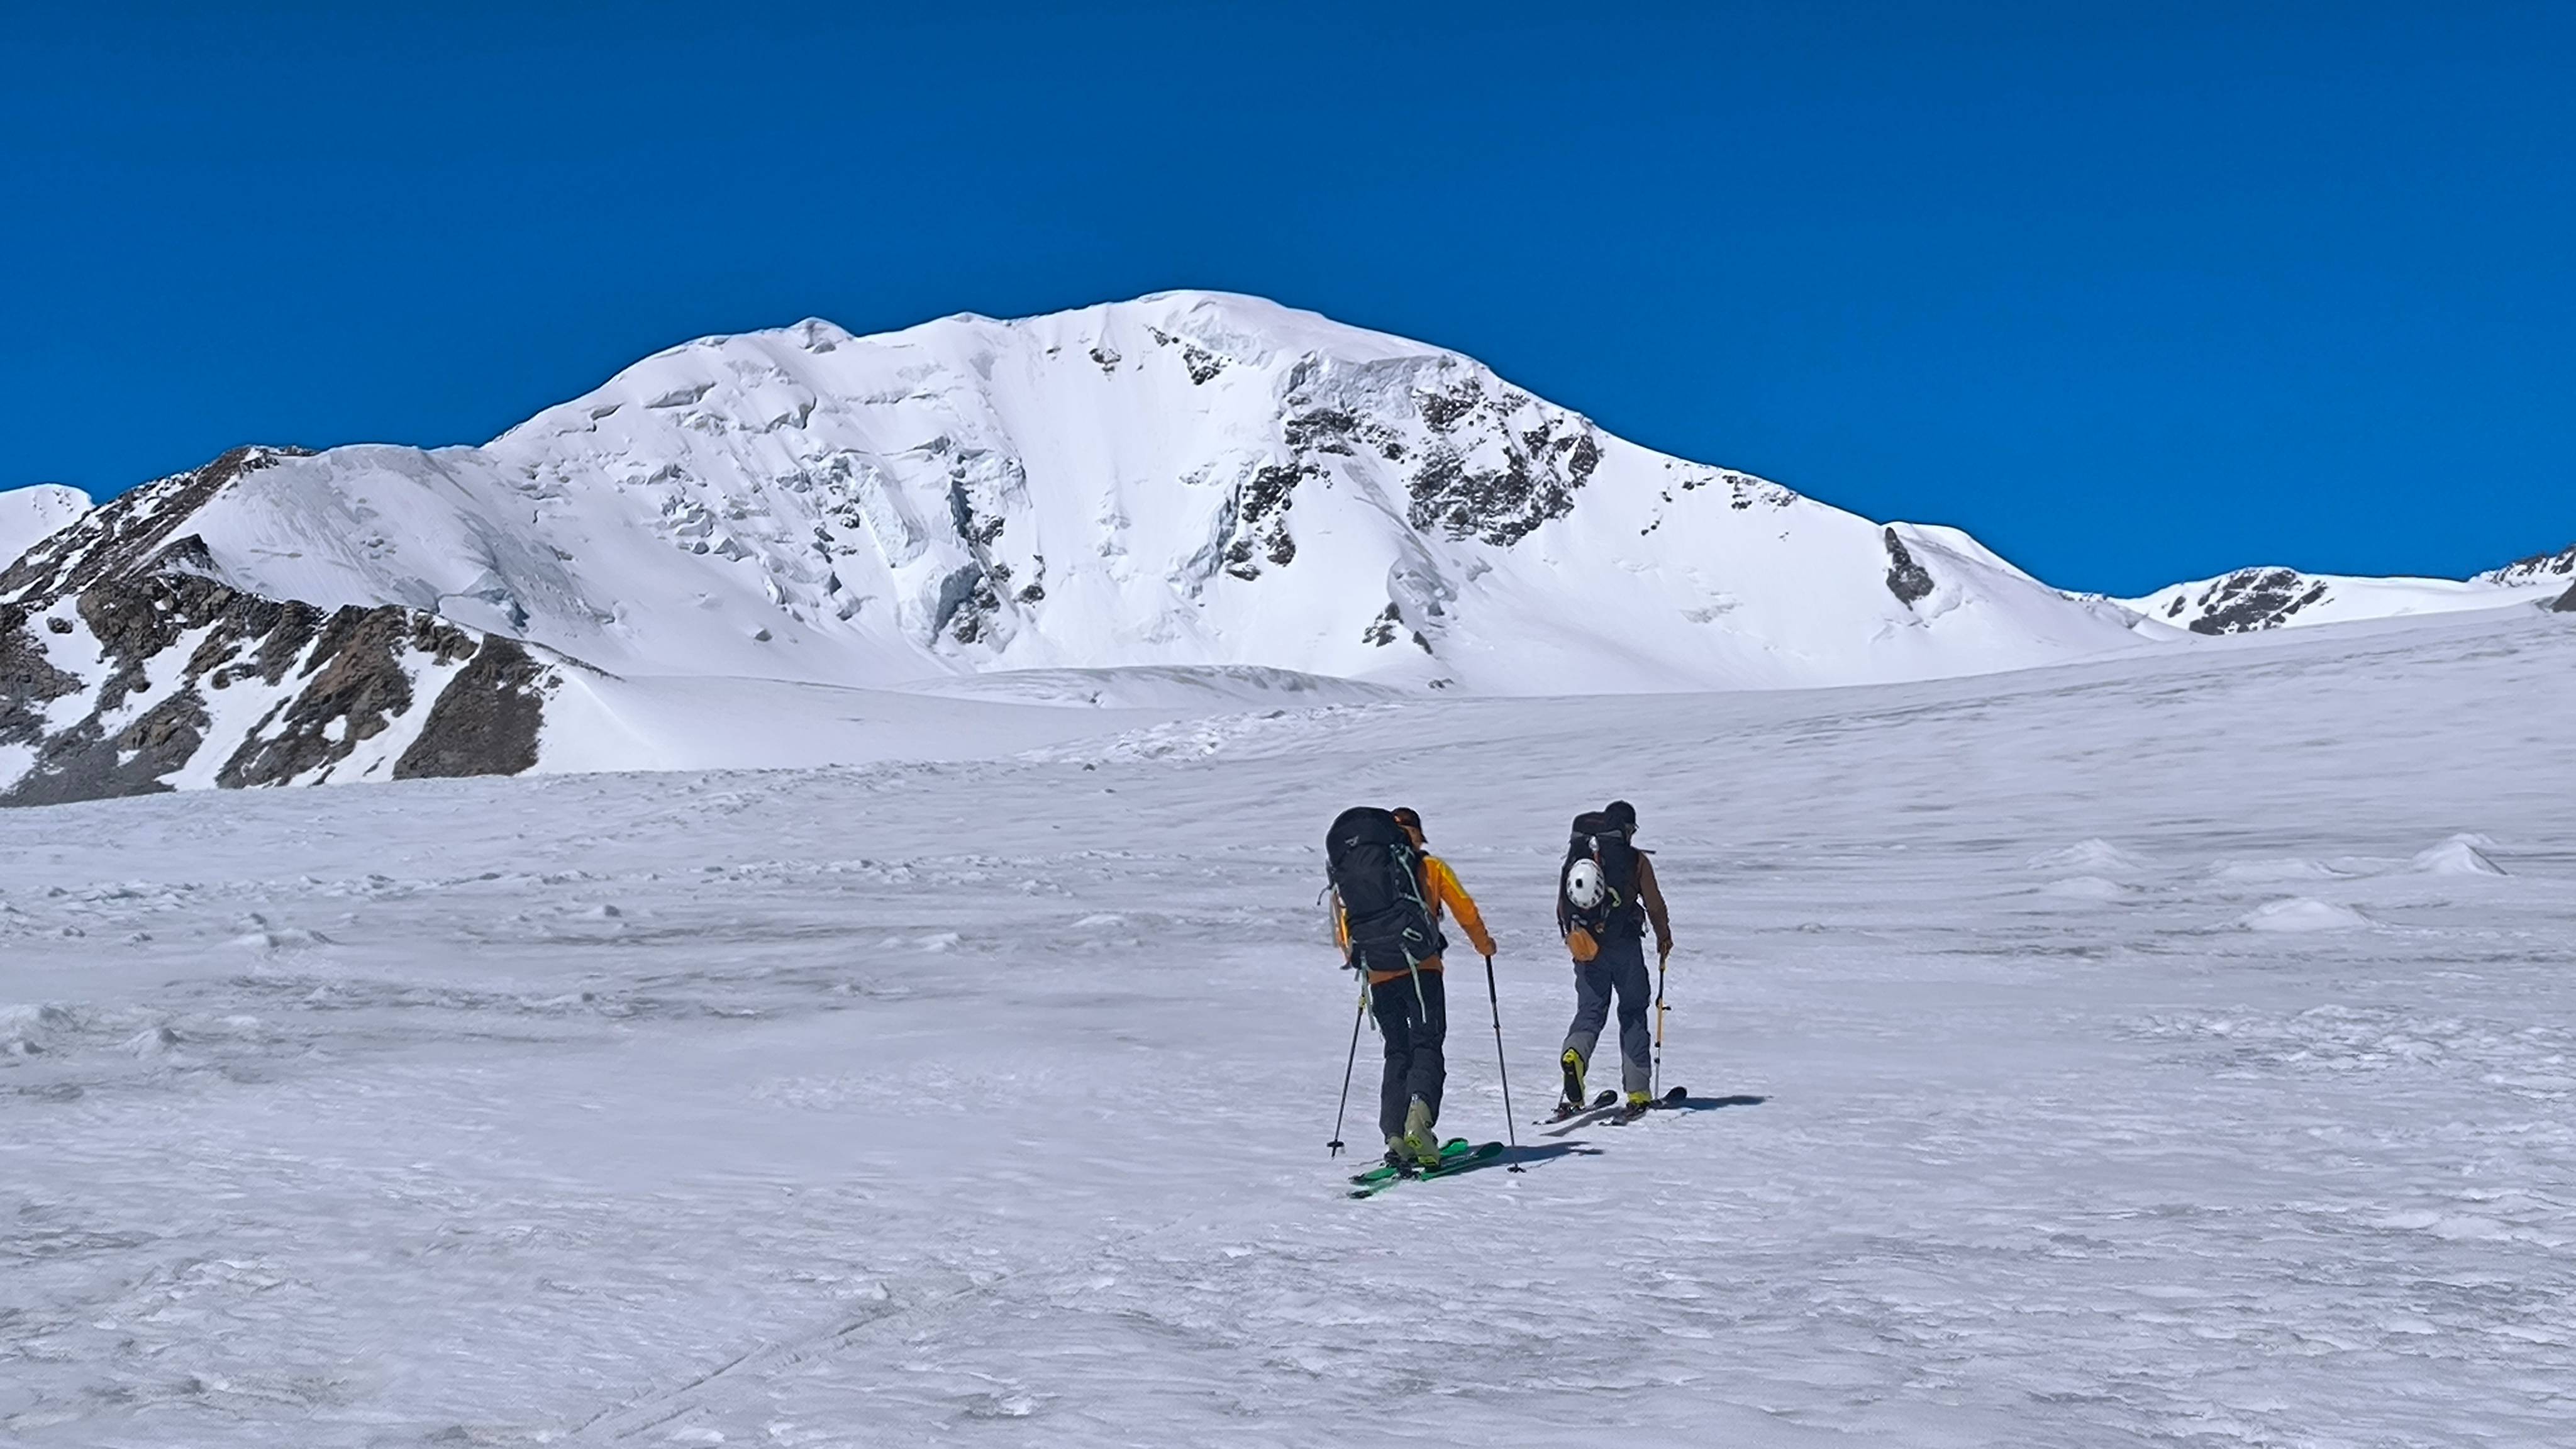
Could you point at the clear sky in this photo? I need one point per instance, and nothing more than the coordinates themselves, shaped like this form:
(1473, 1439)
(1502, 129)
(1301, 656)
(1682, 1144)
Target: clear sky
(2134, 292)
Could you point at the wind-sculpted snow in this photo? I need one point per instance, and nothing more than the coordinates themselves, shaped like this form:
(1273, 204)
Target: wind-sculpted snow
(987, 1097)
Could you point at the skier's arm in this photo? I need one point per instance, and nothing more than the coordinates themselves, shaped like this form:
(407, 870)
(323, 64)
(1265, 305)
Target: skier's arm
(1653, 897)
(1455, 897)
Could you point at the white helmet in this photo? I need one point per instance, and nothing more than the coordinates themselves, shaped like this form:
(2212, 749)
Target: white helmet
(1584, 885)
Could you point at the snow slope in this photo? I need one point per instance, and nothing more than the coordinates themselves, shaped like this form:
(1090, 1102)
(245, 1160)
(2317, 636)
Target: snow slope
(29, 514)
(984, 1100)
(1190, 479)
(2271, 598)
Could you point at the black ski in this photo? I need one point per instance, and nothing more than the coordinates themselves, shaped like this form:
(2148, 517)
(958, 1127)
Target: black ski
(1627, 1114)
(1567, 1111)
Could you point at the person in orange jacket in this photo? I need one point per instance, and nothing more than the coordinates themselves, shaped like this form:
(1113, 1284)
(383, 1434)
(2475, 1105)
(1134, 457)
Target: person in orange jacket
(1412, 1013)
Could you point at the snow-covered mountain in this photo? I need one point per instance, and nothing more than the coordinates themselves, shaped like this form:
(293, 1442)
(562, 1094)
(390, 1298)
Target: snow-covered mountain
(2271, 598)
(2544, 569)
(29, 514)
(1187, 479)
(1190, 479)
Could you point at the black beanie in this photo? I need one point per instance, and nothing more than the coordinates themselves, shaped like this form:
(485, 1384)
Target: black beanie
(1623, 812)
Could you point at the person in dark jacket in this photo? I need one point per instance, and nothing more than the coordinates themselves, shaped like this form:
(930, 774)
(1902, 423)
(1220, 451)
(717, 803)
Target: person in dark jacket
(1617, 968)
(1411, 1007)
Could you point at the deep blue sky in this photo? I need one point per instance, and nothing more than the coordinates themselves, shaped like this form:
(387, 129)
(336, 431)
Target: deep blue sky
(2134, 292)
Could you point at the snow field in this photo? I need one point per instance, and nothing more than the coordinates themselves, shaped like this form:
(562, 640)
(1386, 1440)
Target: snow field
(985, 1099)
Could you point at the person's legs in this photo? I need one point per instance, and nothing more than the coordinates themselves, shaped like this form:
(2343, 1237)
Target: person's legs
(1391, 1005)
(1430, 1068)
(1591, 1007)
(1625, 958)
(1591, 1011)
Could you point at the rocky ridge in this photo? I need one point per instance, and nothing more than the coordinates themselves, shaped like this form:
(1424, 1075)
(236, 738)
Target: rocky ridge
(127, 668)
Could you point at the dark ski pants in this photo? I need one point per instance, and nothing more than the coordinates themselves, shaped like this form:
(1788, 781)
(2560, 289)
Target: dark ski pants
(1413, 1026)
(1620, 968)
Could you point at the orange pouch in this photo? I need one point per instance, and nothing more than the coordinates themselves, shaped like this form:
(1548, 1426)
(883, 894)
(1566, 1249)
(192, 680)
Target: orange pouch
(1580, 942)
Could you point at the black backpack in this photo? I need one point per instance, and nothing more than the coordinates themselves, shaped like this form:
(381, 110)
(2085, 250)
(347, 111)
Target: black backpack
(1604, 842)
(1377, 877)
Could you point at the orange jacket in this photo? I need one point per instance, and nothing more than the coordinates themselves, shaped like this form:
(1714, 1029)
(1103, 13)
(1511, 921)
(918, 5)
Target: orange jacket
(1441, 891)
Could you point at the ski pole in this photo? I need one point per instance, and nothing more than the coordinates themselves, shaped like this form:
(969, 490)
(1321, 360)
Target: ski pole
(1502, 1065)
(1663, 961)
(1347, 1065)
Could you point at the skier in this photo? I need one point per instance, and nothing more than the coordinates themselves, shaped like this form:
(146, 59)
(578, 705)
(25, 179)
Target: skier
(1606, 897)
(1406, 997)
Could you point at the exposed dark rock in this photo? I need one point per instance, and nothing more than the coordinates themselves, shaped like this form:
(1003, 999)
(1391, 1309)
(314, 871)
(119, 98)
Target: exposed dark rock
(1260, 525)
(28, 681)
(2250, 599)
(967, 604)
(1546, 456)
(1909, 581)
(2566, 602)
(1381, 630)
(1202, 364)
(486, 721)
(1445, 408)
(343, 678)
(358, 687)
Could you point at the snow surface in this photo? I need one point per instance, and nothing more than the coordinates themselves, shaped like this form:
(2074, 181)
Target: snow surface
(984, 1099)
(28, 515)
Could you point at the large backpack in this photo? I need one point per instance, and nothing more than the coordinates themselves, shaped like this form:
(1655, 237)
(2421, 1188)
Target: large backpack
(1377, 878)
(1604, 842)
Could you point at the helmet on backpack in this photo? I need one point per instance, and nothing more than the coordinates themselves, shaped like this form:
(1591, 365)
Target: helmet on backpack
(1597, 885)
(1584, 885)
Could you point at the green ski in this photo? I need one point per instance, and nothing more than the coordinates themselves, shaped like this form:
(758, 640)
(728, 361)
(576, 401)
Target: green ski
(1456, 1155)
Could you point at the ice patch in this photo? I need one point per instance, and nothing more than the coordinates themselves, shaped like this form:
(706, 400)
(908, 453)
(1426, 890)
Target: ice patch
(2301, 914)
(2093, 856)
(2459, 855)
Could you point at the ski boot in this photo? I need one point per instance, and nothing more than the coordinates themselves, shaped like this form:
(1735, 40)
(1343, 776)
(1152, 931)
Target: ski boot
(1636, 1105)
(1572, 1101)
(1396, 1157)
(1421, 1140)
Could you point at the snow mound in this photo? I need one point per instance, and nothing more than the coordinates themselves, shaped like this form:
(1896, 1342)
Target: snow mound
(2300, 914)
(2093, 856)
(2459, 855)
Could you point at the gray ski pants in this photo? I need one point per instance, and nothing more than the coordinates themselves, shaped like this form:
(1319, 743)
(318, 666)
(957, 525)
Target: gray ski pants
(1620, 968)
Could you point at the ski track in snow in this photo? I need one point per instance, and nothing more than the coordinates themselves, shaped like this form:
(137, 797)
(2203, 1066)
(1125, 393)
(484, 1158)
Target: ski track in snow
(986, 1100)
